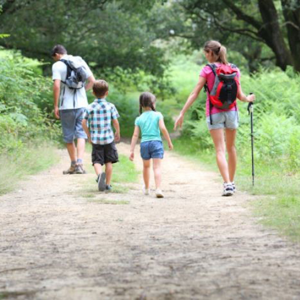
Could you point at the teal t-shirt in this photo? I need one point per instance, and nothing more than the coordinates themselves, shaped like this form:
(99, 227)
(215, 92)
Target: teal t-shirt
(148, 124)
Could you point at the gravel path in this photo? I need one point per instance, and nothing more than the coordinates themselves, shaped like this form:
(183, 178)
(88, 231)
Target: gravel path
(61, 239)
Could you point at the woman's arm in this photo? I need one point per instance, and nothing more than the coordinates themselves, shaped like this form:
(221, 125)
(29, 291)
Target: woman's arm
(242, 97)
(191, 99)
(134, 139)
(165, 133)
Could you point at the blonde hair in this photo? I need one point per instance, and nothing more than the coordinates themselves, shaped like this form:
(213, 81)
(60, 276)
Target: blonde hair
(219, 51)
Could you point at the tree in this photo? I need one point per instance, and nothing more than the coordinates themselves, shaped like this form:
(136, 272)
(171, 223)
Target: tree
(268, 22)
(106, 33)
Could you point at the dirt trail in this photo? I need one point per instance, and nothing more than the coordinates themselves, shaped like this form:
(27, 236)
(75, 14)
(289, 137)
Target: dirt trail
(56, 243)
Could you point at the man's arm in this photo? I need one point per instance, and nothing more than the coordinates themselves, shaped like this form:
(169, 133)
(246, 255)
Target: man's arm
(90, 83)
(117, 128)
(56, 92)
(165, 133)
(86, 129)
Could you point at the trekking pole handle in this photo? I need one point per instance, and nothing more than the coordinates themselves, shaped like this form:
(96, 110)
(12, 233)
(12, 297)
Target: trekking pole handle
(250, 106)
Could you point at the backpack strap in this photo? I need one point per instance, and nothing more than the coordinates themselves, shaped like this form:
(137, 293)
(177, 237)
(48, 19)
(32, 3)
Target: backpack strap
(69, 68)
(213, 67)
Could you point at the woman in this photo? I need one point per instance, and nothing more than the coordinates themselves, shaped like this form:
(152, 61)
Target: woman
(219, 121)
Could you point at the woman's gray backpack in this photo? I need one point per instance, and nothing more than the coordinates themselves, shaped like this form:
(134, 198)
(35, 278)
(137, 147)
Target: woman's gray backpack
(76, 72)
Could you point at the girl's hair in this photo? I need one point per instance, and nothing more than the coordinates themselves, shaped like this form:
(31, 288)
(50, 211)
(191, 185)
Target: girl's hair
(219, 51)
(147, 100)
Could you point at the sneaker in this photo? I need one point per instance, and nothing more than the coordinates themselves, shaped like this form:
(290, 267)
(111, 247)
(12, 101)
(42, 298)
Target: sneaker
(146, 191)
(233, 187)
(108, 188)
(101, 182)
(159, 194)
(71, 170)
(79, 169)
(228, 189)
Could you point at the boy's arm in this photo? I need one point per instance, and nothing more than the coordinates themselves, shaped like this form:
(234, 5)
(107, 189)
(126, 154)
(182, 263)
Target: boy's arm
(117, 128)
(165, 133)
(134, 140)
(86, 129)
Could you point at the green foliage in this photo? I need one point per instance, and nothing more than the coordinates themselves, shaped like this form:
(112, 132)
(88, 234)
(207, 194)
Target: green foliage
(107, 34)
(22, 92)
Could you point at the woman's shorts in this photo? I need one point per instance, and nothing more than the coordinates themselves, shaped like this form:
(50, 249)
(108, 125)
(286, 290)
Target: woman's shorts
(152, 149)
(226, 119)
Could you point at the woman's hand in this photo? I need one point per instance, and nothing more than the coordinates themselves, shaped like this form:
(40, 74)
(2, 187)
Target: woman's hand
(179, 121)
(250, 98)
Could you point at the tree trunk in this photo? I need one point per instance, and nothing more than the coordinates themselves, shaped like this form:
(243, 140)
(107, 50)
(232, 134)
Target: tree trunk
(292, 18)
(272, 33)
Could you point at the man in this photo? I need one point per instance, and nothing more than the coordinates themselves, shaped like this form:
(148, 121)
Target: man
(69, 106)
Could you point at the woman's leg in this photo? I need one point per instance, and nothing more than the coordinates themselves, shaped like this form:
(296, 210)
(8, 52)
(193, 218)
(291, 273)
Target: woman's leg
(157, 172)
(232, 157)
(219, 142)
(146, 173)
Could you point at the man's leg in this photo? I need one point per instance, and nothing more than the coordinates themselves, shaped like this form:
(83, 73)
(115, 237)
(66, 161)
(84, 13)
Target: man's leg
(80, 149)
(72, 151)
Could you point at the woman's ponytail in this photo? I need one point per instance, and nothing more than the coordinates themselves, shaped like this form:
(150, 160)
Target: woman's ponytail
(218, 51)
(223, 55)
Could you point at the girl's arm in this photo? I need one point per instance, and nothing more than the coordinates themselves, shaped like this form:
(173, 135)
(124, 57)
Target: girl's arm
(191, 99)
(134, 140)
(165, 133)
(86, 129)
(243, 97)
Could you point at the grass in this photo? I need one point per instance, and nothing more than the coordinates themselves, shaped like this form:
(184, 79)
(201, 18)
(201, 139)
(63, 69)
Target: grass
(26, 161)
(124, 172)
(108, 201)
(280, 209)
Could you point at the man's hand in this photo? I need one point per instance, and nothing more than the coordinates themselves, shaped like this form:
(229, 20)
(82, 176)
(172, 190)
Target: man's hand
(117, 137)
(56, 112)
(131, 156)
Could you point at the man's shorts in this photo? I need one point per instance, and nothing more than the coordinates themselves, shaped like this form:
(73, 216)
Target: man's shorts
(71, 122)
(152, 149)
(226, 119)
(103, 154)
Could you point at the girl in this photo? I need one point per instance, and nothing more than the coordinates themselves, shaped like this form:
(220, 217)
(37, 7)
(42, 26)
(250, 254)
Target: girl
(218, 121)
(150, 123)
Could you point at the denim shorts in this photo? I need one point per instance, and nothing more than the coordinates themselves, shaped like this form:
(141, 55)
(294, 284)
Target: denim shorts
(226, 119)
(152, 149)
(71, 120)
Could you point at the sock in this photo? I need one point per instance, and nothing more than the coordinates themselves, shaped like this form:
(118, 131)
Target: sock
(73, 163)
(79, 161)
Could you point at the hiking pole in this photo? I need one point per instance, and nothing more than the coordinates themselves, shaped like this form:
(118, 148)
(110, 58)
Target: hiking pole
(250, 111)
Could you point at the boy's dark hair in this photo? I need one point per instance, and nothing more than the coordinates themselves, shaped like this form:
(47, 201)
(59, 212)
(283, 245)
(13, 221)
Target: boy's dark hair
(147, 100)
(59, 49)
(100, 88)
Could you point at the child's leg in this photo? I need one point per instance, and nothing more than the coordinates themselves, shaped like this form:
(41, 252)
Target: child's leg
(108, 172)
(98, 168)
(146, 173)
(157, 172)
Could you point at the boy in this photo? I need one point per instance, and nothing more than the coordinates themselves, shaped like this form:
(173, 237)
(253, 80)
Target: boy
(97, 125)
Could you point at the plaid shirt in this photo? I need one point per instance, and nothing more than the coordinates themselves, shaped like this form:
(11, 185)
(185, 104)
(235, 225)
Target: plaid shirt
(99, 115)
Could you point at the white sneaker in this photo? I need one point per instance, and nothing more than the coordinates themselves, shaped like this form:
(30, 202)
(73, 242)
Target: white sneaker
(228, 189)
(146, 191)
(233, 186)
(159, 194)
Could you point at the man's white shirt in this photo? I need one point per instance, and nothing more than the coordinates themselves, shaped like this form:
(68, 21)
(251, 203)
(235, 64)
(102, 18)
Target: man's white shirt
(69, 99)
